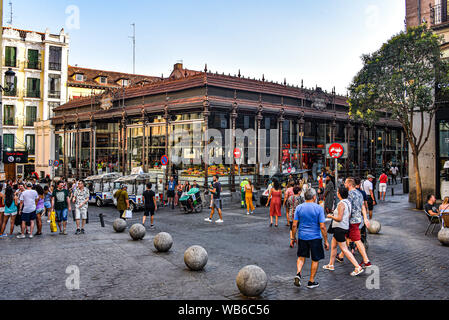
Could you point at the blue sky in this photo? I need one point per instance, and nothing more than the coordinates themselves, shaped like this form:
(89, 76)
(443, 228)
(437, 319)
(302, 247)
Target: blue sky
(320, 41)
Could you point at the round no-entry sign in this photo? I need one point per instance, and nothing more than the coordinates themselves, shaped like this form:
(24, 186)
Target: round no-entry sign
(336, 150)
(289, 169)
(56, 163)
(164, 160)
(237, 153)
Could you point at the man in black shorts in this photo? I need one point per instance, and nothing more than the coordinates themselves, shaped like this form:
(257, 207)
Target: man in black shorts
(150, 205)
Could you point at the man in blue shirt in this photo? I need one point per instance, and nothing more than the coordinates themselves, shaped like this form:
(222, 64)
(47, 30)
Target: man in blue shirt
(171, 192)
(312, 229)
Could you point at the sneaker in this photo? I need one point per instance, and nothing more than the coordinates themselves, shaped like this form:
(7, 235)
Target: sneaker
(152, 226)
(65, 232)
(61, 232)
(30, 236)
(365, 265)
(82, 231)
(298, 280)
(312, 285)
(219, 221)
(248, 213)
(21, 236)
(208, 220)
(78, 231)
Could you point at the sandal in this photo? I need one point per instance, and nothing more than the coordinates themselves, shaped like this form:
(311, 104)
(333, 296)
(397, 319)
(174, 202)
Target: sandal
(339, 259)
(357, 271)
(329, 267)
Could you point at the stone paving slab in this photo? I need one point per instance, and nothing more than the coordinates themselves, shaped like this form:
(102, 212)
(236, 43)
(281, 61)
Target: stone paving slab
(412, 265)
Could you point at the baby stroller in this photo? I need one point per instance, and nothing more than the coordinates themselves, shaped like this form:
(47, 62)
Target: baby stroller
(191, 201)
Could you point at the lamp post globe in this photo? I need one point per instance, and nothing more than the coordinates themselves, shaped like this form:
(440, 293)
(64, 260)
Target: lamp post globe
(10, 78)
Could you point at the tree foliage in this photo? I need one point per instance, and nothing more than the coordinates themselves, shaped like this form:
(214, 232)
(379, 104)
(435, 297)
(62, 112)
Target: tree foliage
(400, 78)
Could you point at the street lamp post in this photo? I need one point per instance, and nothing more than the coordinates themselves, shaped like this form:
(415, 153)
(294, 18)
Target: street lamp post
(9, 75)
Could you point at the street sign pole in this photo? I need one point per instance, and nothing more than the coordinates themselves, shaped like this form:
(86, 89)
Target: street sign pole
(336, 180)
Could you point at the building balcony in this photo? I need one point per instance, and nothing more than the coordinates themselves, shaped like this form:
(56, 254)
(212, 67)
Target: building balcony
(55, 66)
(10, 63)
(54, 94)
(9, 122)
(439, 15)
(33, 94)
(34, 65)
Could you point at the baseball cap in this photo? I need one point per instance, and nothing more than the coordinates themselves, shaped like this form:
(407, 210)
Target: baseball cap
(123, 186)
(29, 185)
(370, 176)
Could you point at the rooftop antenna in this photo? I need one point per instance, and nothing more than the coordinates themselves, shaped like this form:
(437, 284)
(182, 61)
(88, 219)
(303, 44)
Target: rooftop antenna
(133, 37)
(10, 12)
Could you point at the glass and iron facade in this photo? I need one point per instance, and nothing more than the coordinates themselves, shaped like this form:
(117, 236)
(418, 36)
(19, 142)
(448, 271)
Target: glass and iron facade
(198, 127)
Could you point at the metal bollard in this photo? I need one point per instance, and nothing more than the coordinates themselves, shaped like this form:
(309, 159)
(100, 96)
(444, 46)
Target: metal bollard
(392, 191)
(101, 220)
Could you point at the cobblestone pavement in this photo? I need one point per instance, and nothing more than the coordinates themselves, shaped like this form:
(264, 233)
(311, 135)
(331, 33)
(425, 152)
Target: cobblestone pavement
(411, 265)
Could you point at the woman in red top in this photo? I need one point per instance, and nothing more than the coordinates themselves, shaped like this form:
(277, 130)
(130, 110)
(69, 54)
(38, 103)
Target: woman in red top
(275, 202)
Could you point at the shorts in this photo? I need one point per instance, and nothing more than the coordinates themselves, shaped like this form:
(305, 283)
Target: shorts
(40, 211)
(81, 214)
(382, 187)
(148, 212)
(217, 203)
(354, 232)
(61, 215)
(370, 203)
(47, 205)
(10, 213)
(170, 193)
(340, 234)
(314, 248)
(2, 209)
(28, 216)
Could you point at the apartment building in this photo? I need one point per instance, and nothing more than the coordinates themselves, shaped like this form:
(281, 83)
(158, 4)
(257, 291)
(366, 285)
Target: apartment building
(40, 62)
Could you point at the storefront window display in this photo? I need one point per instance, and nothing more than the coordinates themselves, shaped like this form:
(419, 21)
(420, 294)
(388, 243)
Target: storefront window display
(107, 150)
(245, 126)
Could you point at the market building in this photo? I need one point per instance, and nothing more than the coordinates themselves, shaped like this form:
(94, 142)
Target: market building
(80, 82)
(435, 154)
(135, 126)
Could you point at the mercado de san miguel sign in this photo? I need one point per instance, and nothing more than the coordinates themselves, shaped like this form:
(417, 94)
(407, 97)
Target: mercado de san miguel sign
(15, 157)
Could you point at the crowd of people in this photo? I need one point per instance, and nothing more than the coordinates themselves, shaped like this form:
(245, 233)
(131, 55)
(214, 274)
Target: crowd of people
(348, 204)
(25, 203)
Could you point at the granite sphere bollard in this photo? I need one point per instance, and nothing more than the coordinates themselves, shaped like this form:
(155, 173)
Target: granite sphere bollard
(251, 281)
(374, 227)
(443, 236)
(195, 258)
(119, 225)
(163, 242)
(137, 231)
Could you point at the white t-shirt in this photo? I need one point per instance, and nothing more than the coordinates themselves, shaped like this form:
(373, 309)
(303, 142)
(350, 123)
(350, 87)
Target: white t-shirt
(29, 198)
(394, 170)
(367, 186)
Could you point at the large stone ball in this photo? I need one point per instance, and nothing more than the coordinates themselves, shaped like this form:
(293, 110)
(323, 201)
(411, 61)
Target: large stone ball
(137, 231)
(374, 227)
(251, 281)
(443, 236)
(119, 225)
(195, 258)
(163, 242)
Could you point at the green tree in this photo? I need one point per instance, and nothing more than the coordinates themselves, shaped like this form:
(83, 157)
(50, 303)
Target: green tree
(405, 78)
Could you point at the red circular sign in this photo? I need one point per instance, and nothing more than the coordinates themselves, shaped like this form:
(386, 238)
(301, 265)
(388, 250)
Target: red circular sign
(164, 160)
(237, 153)
(336, 150)
(289, 169)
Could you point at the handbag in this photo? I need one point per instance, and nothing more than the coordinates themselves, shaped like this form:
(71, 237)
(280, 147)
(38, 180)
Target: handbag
(127, 214)
(18, 220)
(53, 227)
